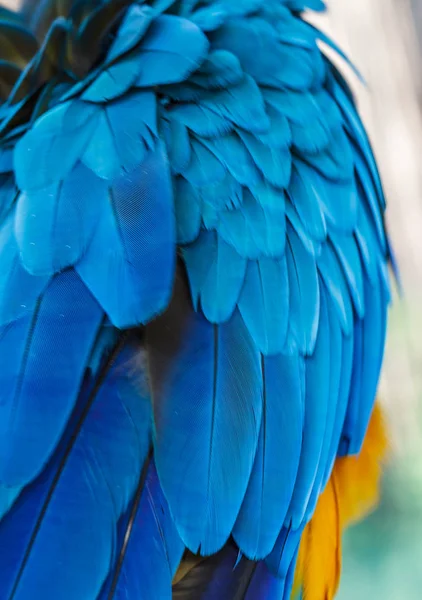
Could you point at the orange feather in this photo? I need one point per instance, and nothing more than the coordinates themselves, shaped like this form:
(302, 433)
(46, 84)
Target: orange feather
(351, 493)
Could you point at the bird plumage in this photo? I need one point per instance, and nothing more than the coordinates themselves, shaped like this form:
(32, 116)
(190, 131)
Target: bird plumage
(193, 296)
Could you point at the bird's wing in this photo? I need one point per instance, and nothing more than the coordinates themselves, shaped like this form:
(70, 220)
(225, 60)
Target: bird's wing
(193, 292)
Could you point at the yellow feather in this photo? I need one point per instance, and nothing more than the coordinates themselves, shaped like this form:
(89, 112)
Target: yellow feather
(351, 493)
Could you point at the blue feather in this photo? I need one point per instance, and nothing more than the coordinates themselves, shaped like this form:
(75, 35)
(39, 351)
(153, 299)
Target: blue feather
(211, 441)
(176, 137)
(327, 40)
(345, 383)
(310, 138)
(54, 225)
(44, 357)
(50, 150)
(300, 5)
(296, 32)
(203, 168)
(131, 31)
(368, 244)
(123, 135)
(102, 459)
(304, 294)
(312, 246)
(264, 303)
(219, 70)
(335, 163)
(151, 549)
(242, 104)
(314, 118)
(200, 119)
(284, 554)
(300, 108)
(373, 334)
(254, 231)
(171, 50)
(335, 370)
(274, 163)
(18, 525)
(334, 280)
(188, 211)
(280, 133)
(290, 577)
(216, 197)
(234, 156)
(114, 80)
(129, 266)
(216, 274)
(268, 196)
(348, 254)
(353, 404)
(337, 200)
(181, 92)
(226, 194)
(370, 198)
(316, 406)
(356, 130)
(305, 197)
(19, 290)
(270, 488)
(210, 17)
(254, 42)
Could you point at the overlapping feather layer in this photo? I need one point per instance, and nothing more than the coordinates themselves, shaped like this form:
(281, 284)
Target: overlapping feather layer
(201, 172)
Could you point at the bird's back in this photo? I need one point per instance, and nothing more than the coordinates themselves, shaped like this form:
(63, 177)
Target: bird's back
(193, 302)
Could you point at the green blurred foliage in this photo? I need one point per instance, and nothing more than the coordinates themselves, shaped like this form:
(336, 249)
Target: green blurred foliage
(383, 555)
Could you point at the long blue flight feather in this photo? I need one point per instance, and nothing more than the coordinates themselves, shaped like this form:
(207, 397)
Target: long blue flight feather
(213, 437)
(304, 302)
(335, 358)
(345, 382)
(373, 332)
(270, 488)
(103, 459)
(317, 386)
(150, 549)
(44, 357)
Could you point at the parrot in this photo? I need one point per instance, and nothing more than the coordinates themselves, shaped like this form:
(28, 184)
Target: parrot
(195, 278)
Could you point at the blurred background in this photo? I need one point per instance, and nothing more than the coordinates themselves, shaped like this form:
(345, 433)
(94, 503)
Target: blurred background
(384, 39)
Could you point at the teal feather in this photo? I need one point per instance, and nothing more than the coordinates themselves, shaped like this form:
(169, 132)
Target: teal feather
(264, 304)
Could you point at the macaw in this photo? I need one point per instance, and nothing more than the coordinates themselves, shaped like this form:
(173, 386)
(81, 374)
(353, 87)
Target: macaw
(194, 286)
